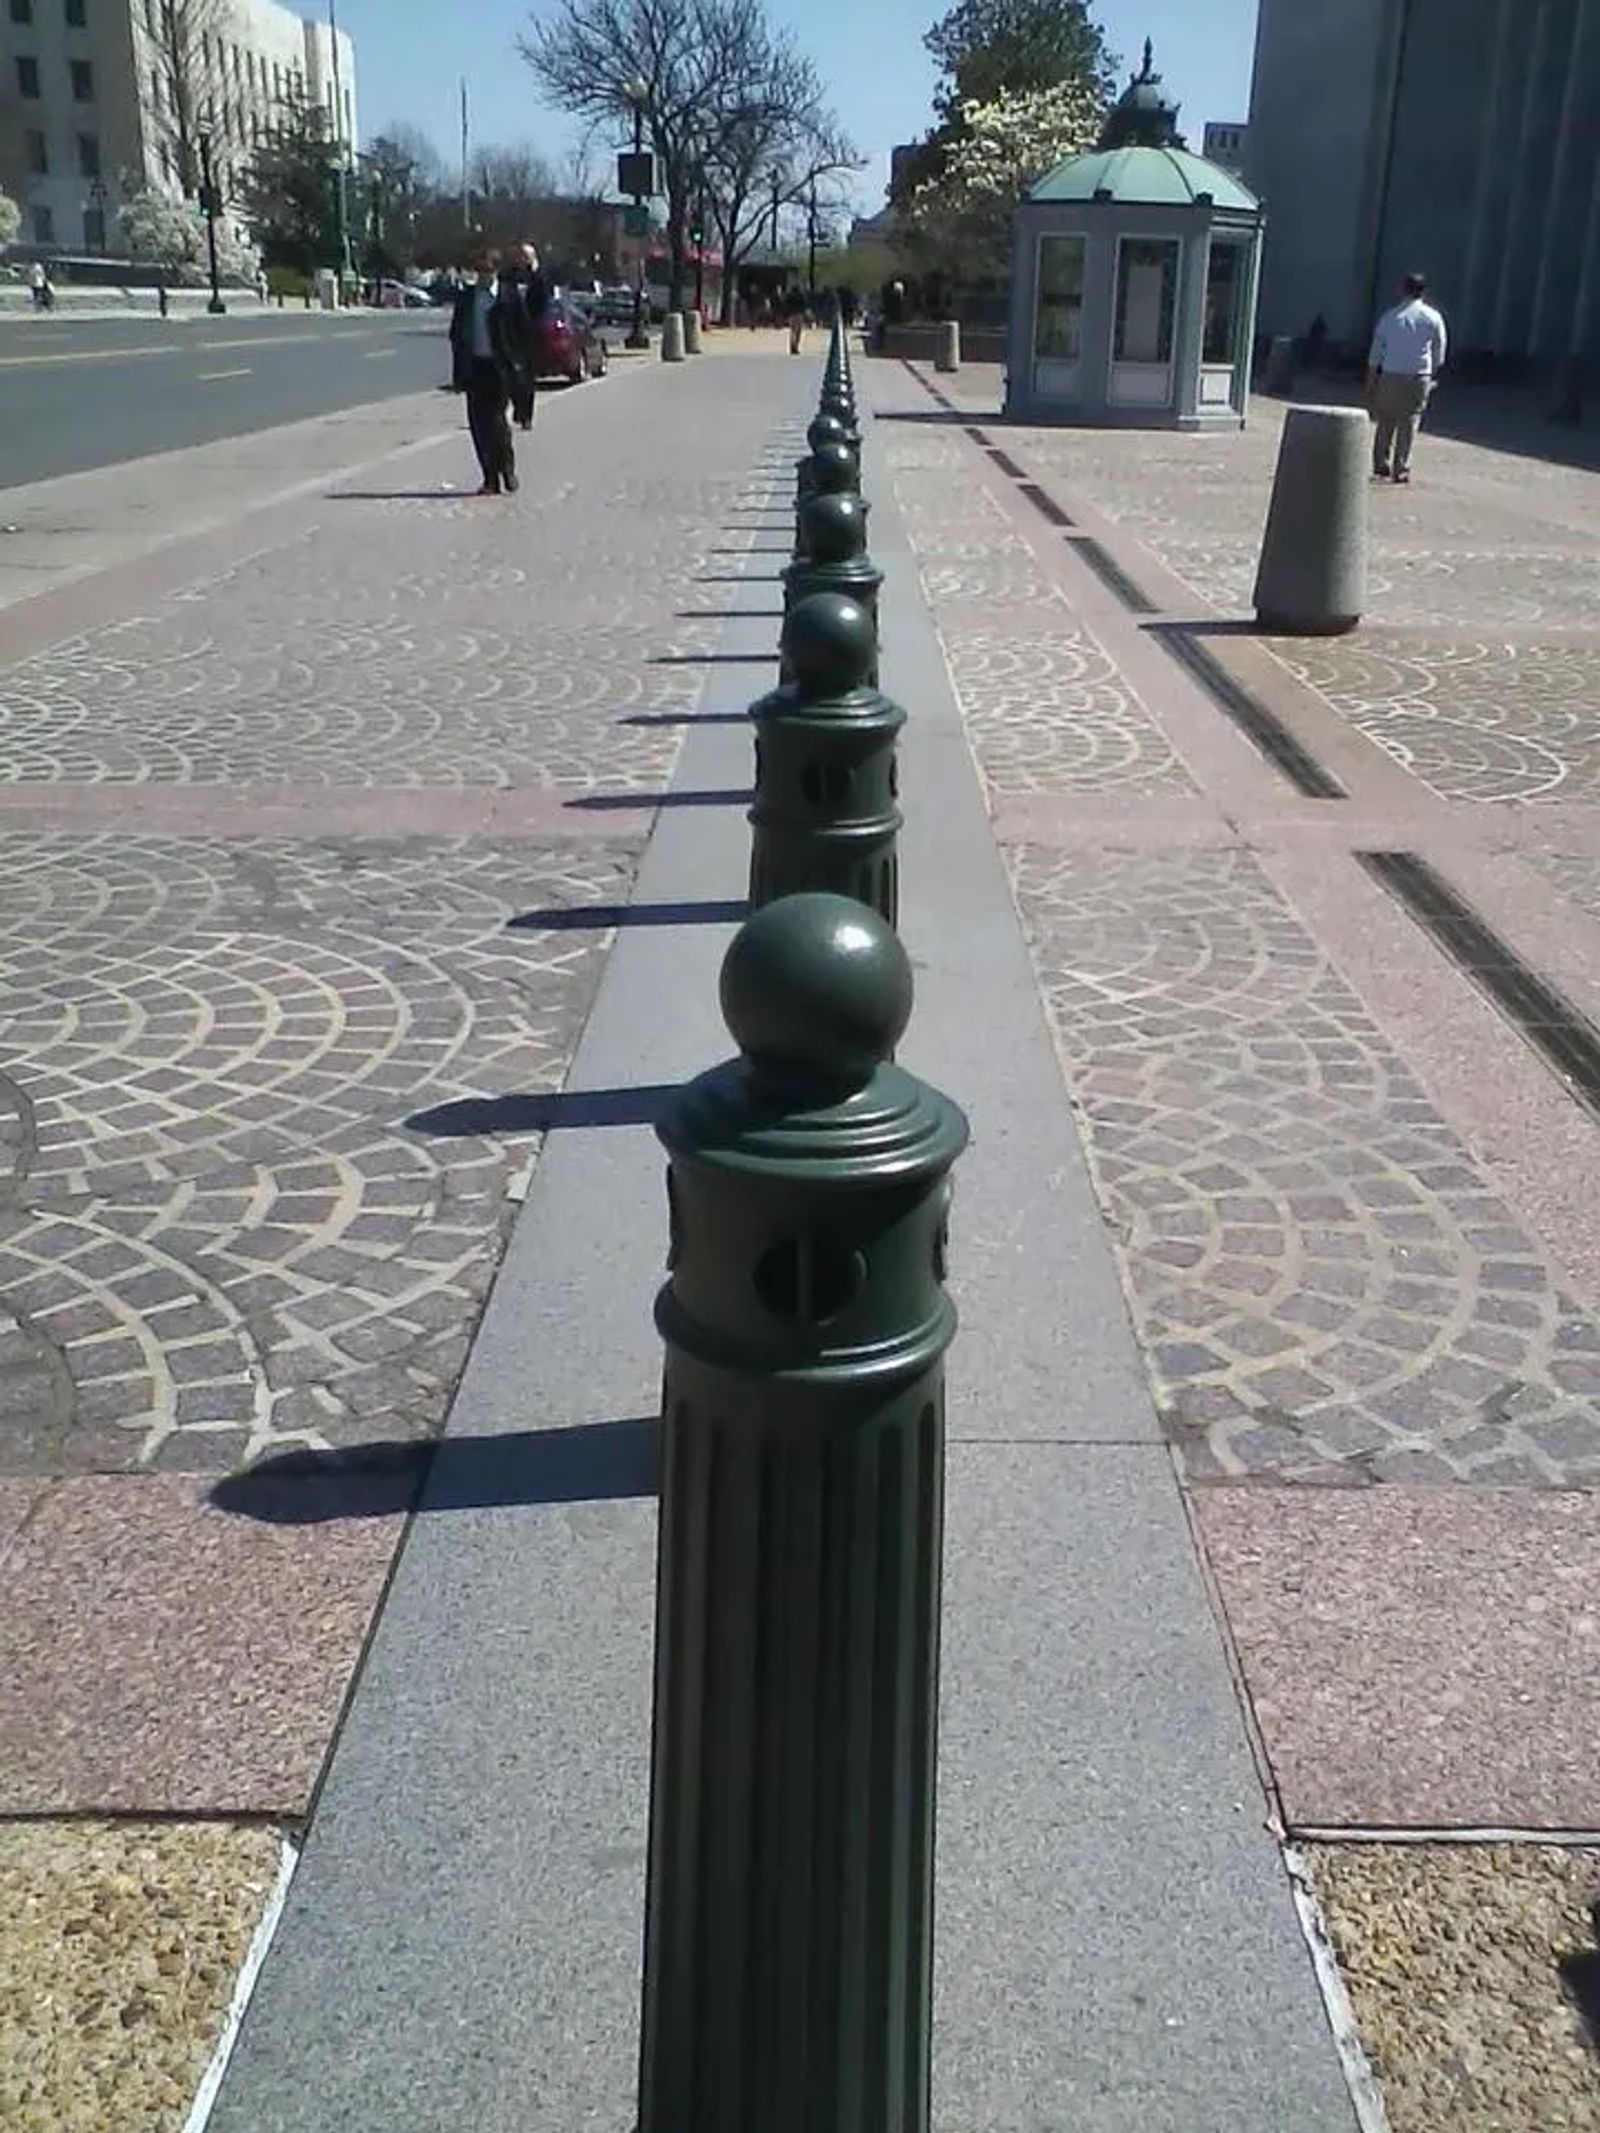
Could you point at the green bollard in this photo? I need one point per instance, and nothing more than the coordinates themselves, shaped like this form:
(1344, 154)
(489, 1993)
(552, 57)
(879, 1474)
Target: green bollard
(788, 1924)
(834, 531)
(825, 814)
(833, 472)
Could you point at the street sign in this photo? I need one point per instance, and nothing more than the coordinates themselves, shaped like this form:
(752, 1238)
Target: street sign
(636, 222)
(636, 174)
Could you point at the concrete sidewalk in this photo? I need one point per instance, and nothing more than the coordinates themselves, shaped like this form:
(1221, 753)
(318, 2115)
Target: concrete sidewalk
(1119, 1947)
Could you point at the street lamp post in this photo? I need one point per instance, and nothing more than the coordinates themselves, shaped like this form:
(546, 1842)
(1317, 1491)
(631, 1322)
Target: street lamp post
(216, 306)
(777, 188)
(700, 247)
(638, 97)
(811, 237)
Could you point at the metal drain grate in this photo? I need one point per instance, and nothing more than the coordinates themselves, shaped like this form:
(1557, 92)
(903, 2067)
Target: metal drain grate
(1263, 728)
(1544, 1018)
(1112, 575)
(1046, 506)
(1005, 462)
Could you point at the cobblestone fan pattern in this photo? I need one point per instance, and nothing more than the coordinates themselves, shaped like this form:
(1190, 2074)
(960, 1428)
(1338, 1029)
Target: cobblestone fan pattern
(217, 1234)
(1045, 709)
(1460, 549)
(1474, 721)
(446, 647)
(1576, 875)
(1326, 1287)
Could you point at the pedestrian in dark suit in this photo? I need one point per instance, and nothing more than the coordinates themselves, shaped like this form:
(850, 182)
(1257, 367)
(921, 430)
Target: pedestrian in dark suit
(489, 350)
(534, 293)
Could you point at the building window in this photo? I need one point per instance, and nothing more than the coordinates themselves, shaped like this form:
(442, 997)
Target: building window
(38, 154)
(28, 79)
(1058, 309)
(1147, 288)
(44, 226)
(1224, 294)
(82, 82)
(22, 10)
(77, 14)
(88, 155)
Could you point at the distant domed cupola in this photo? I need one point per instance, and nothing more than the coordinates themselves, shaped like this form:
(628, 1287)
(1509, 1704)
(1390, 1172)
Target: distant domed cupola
(1144, 116)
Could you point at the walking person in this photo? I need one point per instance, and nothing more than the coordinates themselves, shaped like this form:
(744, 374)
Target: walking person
(795, 310)
(488, 349)
(1408, 351)
(533, 294)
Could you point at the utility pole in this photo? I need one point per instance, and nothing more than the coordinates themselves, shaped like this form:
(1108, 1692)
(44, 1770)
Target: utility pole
(466, 188)
(342, 145)
(216, 306)
(811, 235)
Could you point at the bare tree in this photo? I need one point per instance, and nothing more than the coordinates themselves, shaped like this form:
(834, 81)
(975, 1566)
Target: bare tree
(685, 64)
(191, 89)
(779, 150)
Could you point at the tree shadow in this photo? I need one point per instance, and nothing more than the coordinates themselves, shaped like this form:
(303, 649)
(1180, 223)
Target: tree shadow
(601, 1462)
(598, 918)
(541, 1111)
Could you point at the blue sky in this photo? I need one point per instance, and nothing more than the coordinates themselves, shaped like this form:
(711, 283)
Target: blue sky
(411, 53)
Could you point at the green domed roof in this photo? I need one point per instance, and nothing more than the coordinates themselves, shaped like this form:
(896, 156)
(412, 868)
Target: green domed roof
(1149, 177)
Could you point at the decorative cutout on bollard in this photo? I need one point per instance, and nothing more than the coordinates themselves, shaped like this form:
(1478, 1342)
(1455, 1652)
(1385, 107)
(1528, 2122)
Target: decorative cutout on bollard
(826, 783)
(788, 1937)
(833, 530)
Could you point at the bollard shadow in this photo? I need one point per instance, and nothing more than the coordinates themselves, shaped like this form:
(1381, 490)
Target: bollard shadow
(600, 1462)
(612, 803)
(931, 417)
(1580, 1981)
(730, 614)
(1229, 626)
(685, 718)
(596, 918)
(714, 659)
(787, 550)
(541, 1111)
(741, 577)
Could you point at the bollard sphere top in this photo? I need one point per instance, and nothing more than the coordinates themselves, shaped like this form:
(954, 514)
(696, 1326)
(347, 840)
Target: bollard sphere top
(835, 528)
(825, 429)
(817, 987)
(833, 468)
(828, 642)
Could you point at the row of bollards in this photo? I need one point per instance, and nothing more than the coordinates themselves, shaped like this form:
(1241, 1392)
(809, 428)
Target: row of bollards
(789, 1926)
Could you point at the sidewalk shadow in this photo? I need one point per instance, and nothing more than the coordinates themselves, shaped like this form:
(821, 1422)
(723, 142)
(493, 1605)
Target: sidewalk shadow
(610, 803)
(731, 614)
(542, 1111)
(685, 718)
(600, 1462)
(595, 918)
(402, 496)
(715, 659)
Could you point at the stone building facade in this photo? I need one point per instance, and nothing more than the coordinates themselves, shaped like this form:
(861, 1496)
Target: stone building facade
(1456, 138)
(87, 100)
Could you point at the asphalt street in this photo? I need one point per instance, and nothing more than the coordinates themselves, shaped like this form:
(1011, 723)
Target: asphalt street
(75, 395)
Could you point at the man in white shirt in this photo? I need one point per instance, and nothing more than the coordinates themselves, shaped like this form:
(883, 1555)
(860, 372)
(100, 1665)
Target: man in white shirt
(1408, 350)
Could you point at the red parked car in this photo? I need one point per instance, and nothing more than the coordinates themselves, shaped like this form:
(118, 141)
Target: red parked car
(568, 345)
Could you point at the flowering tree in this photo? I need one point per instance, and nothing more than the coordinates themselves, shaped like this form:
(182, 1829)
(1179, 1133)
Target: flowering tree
(170, 233)
(10, 220)
(961, 216)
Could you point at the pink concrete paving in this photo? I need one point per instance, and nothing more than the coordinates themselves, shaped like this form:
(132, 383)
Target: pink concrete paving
(160, 1656)
(1418, 1657)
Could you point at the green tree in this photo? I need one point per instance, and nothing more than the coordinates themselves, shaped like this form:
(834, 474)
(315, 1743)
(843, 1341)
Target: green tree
(986, 48)
(290, 191)
(989, 51)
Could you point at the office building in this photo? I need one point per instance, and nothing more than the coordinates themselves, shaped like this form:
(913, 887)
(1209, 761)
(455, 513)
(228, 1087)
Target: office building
(101, 99)
(1455, 138)
(1224, 144)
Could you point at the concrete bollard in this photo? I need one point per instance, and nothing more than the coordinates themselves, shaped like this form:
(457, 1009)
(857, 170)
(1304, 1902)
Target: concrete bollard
(691, 333)
(788, 1911)
(1312, 577)
(825, 814)
(1278, 378)
(947, 354)
(672, 349)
